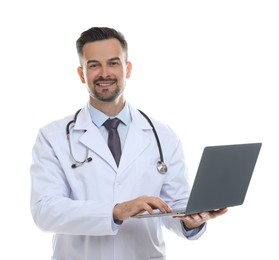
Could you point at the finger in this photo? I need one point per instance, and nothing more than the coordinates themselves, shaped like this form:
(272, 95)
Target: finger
(149, 209)
(186, 217)
(159, 204)
(156, 203)
(205, 215)
(223, 211)
(196, 217)
(216, 213)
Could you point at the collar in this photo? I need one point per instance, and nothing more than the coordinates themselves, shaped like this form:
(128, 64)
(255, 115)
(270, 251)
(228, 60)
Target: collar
(98, 117)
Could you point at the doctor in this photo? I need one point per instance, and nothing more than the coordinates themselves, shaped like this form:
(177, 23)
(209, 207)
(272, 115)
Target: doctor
(79, 191)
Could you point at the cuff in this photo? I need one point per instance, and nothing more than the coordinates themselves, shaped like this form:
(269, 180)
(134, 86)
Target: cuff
(191, 232)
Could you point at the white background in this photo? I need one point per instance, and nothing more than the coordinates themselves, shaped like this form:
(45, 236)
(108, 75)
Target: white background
(207, 68)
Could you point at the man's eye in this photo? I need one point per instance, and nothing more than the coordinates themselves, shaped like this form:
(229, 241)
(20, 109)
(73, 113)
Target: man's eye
(92, 66)
(114, 63)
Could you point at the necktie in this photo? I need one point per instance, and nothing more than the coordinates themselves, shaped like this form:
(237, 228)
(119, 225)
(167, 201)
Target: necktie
(113, 138)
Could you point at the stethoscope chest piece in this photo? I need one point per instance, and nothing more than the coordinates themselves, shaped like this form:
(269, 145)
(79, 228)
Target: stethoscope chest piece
(162, 167)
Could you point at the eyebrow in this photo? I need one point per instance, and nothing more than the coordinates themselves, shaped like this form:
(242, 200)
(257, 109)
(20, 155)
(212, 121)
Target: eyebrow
(112, 59)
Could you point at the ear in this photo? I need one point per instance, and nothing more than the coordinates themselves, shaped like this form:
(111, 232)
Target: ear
(81, 74)
(128, 69)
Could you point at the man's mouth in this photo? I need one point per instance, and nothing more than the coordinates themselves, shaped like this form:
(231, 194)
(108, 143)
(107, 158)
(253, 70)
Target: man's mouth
(104, 83)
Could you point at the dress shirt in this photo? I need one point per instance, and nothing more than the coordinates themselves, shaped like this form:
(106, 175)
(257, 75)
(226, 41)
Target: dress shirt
(99, 118)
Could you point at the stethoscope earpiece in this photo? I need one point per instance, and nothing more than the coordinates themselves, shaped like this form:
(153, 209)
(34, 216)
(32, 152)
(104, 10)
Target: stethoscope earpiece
(75, 165)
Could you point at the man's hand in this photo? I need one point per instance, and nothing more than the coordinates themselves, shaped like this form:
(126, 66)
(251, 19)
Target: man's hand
(123, 211)
(195, 220)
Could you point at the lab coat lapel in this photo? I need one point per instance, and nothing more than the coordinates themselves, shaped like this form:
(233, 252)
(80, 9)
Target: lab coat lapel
(95, 142)
(92, 137)
(136, 142)
(137, 139)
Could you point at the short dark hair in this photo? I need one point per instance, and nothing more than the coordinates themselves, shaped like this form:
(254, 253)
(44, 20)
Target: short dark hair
(98, 34)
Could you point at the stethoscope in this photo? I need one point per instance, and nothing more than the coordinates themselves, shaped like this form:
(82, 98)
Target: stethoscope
(161, 165)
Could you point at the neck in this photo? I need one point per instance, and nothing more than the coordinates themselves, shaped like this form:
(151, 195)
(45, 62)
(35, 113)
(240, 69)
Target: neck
(109, 108)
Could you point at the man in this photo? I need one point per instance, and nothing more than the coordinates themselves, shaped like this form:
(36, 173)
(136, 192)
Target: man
(83, 194)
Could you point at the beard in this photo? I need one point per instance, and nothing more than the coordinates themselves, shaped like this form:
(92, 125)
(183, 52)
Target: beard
(105, 95)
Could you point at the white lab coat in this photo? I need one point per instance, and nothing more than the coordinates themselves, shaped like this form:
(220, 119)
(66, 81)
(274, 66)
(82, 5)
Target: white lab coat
(77, 204)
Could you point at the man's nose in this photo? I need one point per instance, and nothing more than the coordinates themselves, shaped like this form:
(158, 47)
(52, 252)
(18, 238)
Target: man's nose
(104, 72)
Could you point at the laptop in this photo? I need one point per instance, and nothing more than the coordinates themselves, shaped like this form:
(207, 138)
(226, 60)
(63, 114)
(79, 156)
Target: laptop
(222, 179)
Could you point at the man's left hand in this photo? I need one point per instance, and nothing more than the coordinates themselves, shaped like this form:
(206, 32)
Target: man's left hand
(196, 220)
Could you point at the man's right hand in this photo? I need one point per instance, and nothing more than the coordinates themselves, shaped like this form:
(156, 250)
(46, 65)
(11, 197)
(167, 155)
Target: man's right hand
(125, 210)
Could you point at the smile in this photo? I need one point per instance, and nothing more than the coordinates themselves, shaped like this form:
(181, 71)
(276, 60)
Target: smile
(104, 84)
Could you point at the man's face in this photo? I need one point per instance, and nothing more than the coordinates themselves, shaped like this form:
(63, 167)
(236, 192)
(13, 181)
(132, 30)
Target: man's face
(104, 69)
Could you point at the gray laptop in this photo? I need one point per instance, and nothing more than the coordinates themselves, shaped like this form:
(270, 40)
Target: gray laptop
(222, 179)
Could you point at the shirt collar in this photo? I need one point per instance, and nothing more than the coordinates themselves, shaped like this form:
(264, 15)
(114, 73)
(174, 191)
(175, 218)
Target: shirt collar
(98, 117)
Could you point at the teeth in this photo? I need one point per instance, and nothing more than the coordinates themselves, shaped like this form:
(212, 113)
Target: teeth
(105, 84)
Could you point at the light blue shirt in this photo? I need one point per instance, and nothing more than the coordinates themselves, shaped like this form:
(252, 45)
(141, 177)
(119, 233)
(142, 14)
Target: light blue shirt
(99, 118)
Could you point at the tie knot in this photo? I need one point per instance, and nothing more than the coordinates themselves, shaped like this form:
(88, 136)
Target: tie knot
(112, 123)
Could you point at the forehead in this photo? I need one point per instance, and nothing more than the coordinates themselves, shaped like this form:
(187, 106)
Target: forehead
(103, 50)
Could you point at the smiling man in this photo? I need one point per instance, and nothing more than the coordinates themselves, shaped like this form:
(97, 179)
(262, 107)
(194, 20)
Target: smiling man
(104, 69)
(86, 197)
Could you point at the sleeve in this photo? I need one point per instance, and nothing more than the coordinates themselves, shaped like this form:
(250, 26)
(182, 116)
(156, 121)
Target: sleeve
(52, 207)
(195, 233)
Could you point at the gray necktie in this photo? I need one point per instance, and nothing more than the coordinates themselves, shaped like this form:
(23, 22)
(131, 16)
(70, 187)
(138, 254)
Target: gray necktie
(113, 138)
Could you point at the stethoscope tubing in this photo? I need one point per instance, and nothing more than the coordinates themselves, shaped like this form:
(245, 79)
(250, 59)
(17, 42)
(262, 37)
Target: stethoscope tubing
(161, 165)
